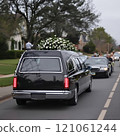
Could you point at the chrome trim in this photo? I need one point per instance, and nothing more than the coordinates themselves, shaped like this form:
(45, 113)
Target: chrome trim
(26, 94)
(40, 91)
(61, 66)
(19, 62)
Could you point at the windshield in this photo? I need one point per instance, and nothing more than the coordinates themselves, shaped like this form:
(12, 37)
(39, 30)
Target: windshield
(117, 54)
(83, 58)
(40, 65)
(96, 61)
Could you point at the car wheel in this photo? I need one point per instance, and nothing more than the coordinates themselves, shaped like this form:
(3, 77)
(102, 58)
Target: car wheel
(107, 74)
(110, 73)
(74, 100)
(20, 102)
(89, 89)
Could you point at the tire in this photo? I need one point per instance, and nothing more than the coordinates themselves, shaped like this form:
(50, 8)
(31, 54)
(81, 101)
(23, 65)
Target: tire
(89, 89)
(20, 102)
(110, 73)
(74, 100)
(107, 74)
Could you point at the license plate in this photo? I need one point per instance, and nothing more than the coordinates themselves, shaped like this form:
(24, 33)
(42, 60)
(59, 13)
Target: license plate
(93, 73)
(38, 96)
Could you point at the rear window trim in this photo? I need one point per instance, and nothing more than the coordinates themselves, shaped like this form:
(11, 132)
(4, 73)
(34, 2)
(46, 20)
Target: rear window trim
(34, 72)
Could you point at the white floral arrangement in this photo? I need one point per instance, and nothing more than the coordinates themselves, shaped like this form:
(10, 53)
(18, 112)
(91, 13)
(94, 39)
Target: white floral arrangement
(56, 43)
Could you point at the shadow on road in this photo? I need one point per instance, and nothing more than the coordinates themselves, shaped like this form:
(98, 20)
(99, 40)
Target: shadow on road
(50, 104)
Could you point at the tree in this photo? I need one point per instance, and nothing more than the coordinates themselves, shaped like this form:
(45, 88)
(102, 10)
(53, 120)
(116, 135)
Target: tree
(8, 21)
(3, 45)
(89, 47)
(8, 24)
(103, 41)
(31, 11)
(50, 17)
(71, 16)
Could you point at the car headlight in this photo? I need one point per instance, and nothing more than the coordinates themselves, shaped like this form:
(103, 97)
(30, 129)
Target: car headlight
(105, 69)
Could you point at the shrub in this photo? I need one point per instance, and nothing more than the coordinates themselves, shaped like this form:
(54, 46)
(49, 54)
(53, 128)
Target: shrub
(89, 47)
(12, 54)
(19, 53)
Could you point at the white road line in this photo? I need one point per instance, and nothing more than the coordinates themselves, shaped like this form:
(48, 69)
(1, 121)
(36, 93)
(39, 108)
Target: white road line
(107, 103)
(102, 115)
(104, 111)
(114, 87)
(118, 80)
(111, 95)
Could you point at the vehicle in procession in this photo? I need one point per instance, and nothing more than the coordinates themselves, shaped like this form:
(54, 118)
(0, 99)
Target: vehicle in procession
(99, 66)
(52, 75)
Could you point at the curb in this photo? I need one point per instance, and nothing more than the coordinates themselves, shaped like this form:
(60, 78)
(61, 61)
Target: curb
(5, 97)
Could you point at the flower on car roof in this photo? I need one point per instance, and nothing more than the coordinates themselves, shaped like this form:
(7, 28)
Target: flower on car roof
(56, 43)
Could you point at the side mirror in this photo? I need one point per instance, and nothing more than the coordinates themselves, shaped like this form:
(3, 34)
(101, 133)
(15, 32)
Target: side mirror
(88, 67)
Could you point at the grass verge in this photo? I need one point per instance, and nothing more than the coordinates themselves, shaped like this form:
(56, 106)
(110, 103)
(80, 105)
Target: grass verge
(9, 61)
(8, 66)
(6, 81)
(7, 69)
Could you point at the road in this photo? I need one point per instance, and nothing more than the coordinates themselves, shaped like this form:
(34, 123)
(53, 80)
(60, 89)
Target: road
(102, 103)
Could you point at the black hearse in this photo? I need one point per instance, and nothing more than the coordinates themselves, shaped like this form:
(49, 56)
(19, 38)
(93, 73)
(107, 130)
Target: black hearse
(50, 74)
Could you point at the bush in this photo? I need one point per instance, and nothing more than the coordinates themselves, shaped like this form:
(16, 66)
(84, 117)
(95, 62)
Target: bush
(19, 53)
(12, 54)
(89, 47)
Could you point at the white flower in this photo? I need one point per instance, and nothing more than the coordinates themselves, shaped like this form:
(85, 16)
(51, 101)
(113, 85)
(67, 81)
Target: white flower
(58, 43)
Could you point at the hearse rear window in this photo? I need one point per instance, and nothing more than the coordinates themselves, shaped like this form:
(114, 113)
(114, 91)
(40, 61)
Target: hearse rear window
(41, 65)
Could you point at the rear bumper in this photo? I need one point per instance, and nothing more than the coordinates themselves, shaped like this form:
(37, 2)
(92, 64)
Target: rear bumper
(42, 95)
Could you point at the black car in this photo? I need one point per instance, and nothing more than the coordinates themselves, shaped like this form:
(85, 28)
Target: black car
(83, 57)
(100, 66)
(50, 74)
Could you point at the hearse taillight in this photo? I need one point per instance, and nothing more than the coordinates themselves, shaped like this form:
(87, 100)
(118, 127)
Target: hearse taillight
(15, 82)
(66, 82)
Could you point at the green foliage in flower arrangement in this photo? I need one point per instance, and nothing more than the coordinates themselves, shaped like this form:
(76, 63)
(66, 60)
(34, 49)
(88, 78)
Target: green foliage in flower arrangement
(56, 43)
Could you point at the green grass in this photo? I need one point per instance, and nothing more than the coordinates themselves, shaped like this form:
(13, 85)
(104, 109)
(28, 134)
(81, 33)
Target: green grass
(5, 70)
(6, 81)
(9, 61)
(8, 66)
